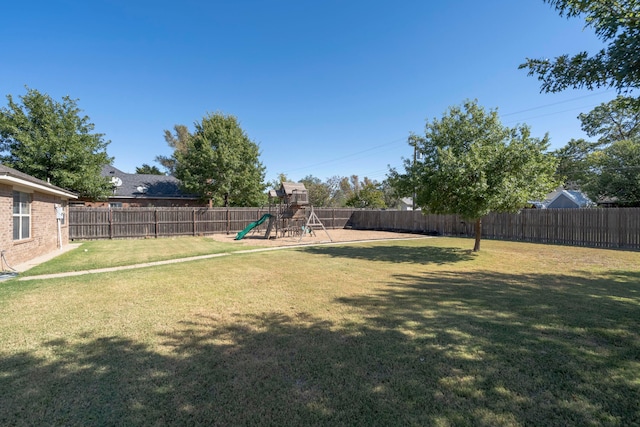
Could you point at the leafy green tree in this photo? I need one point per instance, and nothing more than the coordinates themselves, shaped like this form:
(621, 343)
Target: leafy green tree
(472, 165)
(574, 169)
(222, 164)
(601, 168)
(366, 194)
(339, 189)
(317, 190)
(50, 140)
(277, 182)
(617, 24)
(612, 121)
(617, 173)
(146, 169)
(178, 142)
(582, 164)
(391, 197)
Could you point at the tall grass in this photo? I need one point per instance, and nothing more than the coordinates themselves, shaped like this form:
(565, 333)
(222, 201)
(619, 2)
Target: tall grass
(399, 333)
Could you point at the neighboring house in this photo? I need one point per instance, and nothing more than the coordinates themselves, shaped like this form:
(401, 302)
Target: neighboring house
(142, 190)
(565, 199)
(406, 204)
(34, 213)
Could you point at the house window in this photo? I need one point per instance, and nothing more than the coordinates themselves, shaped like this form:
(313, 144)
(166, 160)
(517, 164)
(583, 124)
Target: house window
(21, 215)
(115, 204)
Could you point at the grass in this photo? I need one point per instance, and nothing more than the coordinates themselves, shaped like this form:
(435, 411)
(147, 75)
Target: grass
(397, 333)
(115, 253)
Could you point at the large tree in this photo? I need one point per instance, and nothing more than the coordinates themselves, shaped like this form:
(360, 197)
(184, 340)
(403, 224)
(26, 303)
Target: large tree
(146, 169)
(366, 194)
(52, 141)
(574, 169)
(596, 166)
(612, 121)
(318, 191)
(178, 142)
(617, 24)
(616, 173)
(221, 163)
(470, 165)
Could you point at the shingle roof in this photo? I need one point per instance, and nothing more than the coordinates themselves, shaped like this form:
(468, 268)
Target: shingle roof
(144, 185)
(580, 199)
(290, 187)
(10, 172)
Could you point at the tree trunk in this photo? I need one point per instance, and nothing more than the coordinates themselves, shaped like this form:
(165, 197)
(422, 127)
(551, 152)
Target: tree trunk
(476, 246)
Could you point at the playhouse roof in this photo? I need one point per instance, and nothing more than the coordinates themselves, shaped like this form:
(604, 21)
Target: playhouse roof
(289, 187)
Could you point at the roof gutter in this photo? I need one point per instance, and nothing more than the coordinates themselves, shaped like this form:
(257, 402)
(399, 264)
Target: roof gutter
(41, 188)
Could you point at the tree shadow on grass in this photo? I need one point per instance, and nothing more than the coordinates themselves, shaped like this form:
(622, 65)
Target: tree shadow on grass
(398, 253)
(566, 349)
(439, 349)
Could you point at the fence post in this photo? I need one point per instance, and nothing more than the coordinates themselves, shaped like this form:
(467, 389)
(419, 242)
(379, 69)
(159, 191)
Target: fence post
(228, 221)
(110, 223)
(155, 220)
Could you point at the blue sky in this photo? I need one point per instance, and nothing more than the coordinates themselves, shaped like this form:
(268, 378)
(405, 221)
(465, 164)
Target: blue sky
(324, 87)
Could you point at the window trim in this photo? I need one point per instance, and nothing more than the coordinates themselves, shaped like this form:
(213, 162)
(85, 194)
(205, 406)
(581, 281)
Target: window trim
(22, 197)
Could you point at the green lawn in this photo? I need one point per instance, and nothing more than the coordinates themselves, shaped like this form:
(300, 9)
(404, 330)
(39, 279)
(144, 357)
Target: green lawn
(114, 253)
(418, 332)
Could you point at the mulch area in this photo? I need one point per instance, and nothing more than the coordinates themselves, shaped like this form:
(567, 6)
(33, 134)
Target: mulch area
(319, 236)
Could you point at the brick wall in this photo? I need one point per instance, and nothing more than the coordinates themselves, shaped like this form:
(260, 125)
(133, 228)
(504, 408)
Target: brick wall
(44, 227)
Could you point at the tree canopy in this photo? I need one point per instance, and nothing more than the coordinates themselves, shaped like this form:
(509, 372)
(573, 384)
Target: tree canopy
(470, 165)
(607, 169)
(612, 121)
(178, 143)
(221, 163)
(616, 173)
(617, 24)
(366, 194)
(318, 191)
(50, 140)
(146, 169)
(573, 163)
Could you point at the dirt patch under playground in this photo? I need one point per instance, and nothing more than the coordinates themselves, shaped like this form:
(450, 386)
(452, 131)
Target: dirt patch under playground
(318, 236)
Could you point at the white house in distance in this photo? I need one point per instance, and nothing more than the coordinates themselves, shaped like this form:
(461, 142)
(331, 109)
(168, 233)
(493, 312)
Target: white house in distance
(34, 216)
(406, 204)
(565, 199)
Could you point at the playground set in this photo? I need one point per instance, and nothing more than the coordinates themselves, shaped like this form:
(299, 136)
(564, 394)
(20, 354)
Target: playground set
(290, 214)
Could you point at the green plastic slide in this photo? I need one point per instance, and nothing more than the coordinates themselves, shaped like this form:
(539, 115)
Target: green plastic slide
(252, 225)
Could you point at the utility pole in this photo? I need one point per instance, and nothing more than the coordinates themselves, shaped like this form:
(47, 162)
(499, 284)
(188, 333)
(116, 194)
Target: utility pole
(415, 155)
(413, 140)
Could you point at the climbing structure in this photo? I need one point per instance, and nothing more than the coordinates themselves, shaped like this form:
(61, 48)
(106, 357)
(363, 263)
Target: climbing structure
(294, 216)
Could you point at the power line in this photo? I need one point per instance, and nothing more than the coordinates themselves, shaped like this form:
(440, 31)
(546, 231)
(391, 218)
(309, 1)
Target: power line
(347, 157)
(552, 114)
(555, 103)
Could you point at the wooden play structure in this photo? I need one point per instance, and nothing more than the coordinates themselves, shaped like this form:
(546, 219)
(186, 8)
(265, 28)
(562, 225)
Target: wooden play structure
(292, 215)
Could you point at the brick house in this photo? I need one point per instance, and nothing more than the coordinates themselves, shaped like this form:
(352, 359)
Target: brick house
(133, 190)
(34, 214)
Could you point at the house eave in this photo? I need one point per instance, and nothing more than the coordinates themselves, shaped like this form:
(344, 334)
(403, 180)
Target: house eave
(36, 187)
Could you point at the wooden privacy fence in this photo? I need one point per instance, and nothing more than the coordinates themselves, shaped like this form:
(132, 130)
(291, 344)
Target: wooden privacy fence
(605, 228)
(122, 223)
